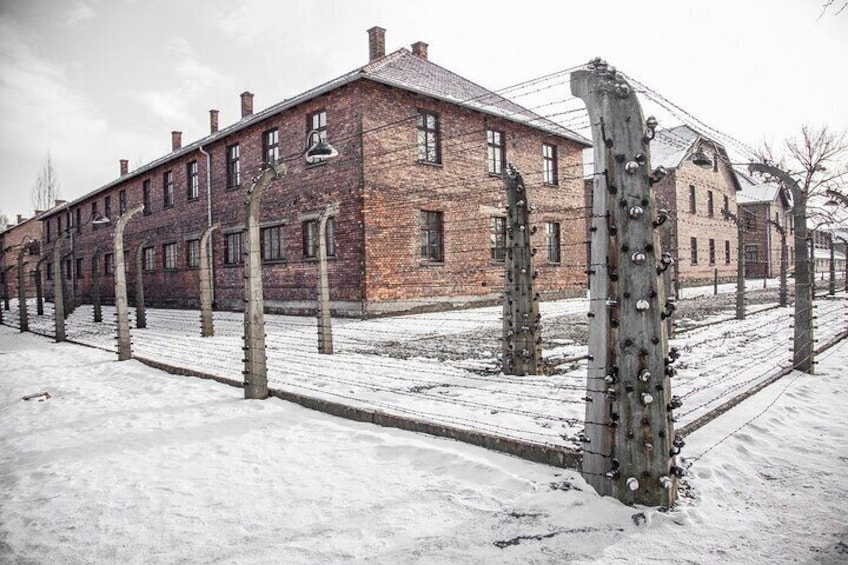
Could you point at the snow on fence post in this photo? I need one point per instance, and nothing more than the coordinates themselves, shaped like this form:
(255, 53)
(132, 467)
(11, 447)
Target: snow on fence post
(629, 446)
(121, 307)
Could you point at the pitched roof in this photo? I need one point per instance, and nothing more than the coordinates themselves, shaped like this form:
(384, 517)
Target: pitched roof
(670, 146)
(754, 192)
(400, 69)
(407, 71)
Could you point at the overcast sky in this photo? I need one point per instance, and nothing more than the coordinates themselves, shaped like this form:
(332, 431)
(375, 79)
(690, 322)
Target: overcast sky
(95, 81)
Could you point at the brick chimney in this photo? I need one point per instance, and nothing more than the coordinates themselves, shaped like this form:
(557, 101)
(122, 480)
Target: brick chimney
(125, 166)
(21, 219)
(176, 140)
(376, 43)
(419, 49)
(213, 121)
(246, 104)
(57, 203)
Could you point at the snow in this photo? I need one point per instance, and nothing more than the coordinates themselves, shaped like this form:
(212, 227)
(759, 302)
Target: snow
(126, 464)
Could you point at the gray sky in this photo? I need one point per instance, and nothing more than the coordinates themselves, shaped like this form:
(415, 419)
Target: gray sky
(95, 81)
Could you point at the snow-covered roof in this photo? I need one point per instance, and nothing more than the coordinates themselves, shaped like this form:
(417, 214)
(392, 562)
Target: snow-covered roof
(753, 191)
(670, 146)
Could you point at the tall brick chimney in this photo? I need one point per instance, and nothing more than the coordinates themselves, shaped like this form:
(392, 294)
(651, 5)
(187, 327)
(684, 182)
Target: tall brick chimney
(176, 140)
(21, 219)
(246, 104)
(125, 166)
(419, 49)
(213, 121)
(376, 43)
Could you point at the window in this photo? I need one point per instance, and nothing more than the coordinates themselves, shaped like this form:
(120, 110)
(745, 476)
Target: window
(193, 180)
(233, 166)
(727, 253)
(168, 189)
(752, 253)
(79, 267)
(59, 225)
(94, 214)
(122, 202)
(710, 206)
(169, 256)
(94, 266)
(49, 269)
(495, 151)
(145, 197)
(148, 259)
(497, 239)
(693, 250)
(693, 207)
(712, 252)
(270, 146)
(317, 121)
(429, 150)
(78, 219)
(193, 253)
(107, 207)
(233, 249)
(726, 204)
(109, 264)
(272, 244)
(552, 241)
(49, 232)
(430, 225)
(550, 174)
(310, 238)
(750, 220)
(66, 265)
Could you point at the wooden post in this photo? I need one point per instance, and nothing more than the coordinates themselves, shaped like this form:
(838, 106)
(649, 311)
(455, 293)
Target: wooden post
(23, 314)
(58, 291)
(831, 286)
(207, 326)
(95, 276)
(121, 306)
(630, 447)
(802, 350)
(740, 263)
(522, 342)
(39, 292)
(255, 369)
(140, 312)
(325, 321)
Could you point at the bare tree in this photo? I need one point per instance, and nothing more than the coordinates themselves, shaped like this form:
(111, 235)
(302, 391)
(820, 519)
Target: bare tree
(813, 165)
(4, 221)
(46, 187)
(838, 6)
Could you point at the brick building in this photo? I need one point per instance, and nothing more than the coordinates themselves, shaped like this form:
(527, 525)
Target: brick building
(763, 205)
(13, 241)
(701, 240)
(417, 180)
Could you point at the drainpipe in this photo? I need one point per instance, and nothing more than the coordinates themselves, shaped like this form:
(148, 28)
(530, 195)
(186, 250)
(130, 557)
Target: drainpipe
(209, 218)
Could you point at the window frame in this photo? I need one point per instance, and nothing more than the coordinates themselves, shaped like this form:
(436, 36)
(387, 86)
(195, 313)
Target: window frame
(148, 259)
(751, 253)
(497, 239)
(553, 242)
(169, 256)
(317, 121)
(168, 189)
(122, 202)
(233, 160)
(710, 204)
(276, 251)
(693, 202)
(108, 264)
(431, 239)
(193, 253)
(550, 164)
(311, 238)
(192, 181)
(270, 151)
(693, 250)
(233, 254)
(146, 197)
(495, 152)
(428, 136)
(712, 252)
(727, 252)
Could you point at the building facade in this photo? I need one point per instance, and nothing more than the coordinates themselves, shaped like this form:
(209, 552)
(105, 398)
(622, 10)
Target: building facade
(766, 211)
(20, 243)
(417, 181)
(700, 238)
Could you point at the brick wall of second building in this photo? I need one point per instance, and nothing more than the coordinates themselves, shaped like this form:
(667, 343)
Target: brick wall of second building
(398, 188)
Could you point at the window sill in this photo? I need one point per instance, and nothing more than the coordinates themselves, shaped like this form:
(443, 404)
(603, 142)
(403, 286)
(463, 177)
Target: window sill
(552, 184)
(275, 262)
(193, 199)
(426, 264)
(315, 165)
(435, 164)
(315, 259)
(233, 265)
(495, 175)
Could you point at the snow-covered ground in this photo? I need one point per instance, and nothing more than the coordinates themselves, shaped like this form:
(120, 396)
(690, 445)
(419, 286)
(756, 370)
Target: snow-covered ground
(718, 362)
(126, 464)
